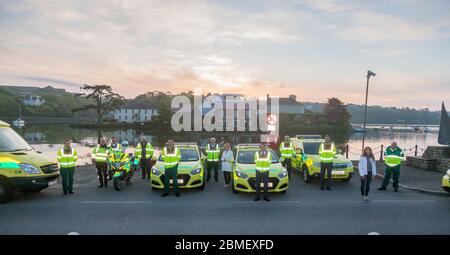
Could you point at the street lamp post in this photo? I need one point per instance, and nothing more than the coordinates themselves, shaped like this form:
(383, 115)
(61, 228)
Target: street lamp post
(369, 73)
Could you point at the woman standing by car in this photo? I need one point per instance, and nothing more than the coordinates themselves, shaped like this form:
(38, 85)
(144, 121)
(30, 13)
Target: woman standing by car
(367, 170)
(227, 161)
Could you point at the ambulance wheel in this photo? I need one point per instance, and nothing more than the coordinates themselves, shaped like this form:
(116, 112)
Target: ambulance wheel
(6, 191)
(305, 175)
(232, 187)
(346, 179)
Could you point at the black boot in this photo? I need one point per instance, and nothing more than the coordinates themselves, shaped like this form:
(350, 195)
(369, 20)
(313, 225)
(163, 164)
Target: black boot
(164, 194)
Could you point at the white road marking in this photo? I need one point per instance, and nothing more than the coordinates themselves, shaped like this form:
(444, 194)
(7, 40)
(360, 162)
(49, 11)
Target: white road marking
(403, 201)
(116, 202)
(73, 234)
(373, 234)
(271, 201)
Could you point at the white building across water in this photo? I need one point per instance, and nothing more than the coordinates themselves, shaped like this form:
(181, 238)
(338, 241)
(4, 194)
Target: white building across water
(135, 111)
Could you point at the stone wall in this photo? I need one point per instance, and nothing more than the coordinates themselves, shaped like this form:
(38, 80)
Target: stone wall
(435, 158)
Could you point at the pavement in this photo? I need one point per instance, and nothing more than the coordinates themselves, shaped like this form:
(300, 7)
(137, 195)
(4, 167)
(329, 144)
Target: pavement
(304, 209)
(416, 179)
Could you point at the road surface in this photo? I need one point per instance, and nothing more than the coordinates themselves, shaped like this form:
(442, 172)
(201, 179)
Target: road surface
(304, 209)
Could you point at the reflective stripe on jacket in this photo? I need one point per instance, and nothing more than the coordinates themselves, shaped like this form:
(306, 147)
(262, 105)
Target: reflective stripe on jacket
(287, 152)
(100, 154)
(212, 153)
(67, 160)
(170, 159)
(327, 156)
(393, 158)
(148, 151)
(263, 163)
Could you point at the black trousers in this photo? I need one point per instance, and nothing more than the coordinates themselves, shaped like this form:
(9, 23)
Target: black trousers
(145, 165)
(287, 162)
(227, 177)
(102, 172)
(262, 177)
(210, 165)
(325, 168)
(365, 184)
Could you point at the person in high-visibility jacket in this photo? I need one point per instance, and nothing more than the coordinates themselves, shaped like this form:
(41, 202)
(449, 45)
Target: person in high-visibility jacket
(144, 153)
(327, 151)
(287, 152)
(212, 159)
(99, 157)
(67, 158)
(392, 159)
(114, 146)
(170, 155)
(263, 160)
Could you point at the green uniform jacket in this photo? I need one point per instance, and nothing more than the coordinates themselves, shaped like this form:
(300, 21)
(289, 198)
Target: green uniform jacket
(393, 158)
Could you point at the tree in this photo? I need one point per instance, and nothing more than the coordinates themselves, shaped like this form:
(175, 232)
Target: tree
(336, 112)
(104, 100)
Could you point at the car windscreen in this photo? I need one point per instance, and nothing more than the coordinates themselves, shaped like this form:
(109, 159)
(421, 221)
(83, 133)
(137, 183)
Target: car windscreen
(248, 157)
(311, 148)
(187, 154)
(11, 141)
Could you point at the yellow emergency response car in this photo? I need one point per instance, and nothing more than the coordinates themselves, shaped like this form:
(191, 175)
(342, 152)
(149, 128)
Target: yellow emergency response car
(308, 166)
(21, 167)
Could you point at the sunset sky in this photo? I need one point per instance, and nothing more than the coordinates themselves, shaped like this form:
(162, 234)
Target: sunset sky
(313, 49)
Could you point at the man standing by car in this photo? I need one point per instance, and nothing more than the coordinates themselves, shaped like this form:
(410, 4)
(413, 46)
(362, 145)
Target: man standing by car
(392, 159)
(212, 159)
(144, 153)
(287, 152)
(263, 160)
(170, 155)
(327, 151)
(100, 159)
(67, 157)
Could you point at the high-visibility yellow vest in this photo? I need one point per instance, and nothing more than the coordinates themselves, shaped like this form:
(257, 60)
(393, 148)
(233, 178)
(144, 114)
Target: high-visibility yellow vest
(393, 158)
(327, 156)
(67, 160)
(170, 159)
(212, 153)
(114, 149)
(100, 154)
(287, 152)
(263, 163)
(148, 151)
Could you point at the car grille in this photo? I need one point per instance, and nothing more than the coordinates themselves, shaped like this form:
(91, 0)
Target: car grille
(185, 177)
(274, 180)
(49, 169)
(339, 166)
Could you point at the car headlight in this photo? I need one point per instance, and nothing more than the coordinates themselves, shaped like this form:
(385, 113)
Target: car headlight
(30, 169)
(349, 164)
(196, 171)
(283, 174)
(241, 174)
(155, 171)
(317, 164)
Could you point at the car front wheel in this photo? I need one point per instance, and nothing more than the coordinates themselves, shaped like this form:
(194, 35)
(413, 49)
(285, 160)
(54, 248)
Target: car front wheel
(6, 191)
(305, 174)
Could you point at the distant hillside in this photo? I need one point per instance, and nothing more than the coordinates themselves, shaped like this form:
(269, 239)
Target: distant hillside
(58, 102)
(385, 115)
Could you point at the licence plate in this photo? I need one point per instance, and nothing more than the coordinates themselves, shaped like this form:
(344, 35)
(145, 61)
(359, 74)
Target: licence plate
(339, 172)
(270, 185)
(180, 181)
(52, 182)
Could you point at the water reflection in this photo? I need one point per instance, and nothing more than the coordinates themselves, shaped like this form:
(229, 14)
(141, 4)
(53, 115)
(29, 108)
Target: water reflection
(52, 135)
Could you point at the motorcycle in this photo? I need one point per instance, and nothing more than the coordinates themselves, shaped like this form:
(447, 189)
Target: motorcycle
(122, 168)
